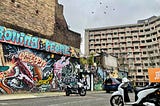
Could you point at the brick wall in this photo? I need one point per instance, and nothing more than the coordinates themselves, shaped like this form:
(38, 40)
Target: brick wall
(62, 33)
(38, 17)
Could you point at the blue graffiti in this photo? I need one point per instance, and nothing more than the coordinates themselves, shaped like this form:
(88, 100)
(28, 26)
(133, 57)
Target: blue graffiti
(56, 47)
(19, 38)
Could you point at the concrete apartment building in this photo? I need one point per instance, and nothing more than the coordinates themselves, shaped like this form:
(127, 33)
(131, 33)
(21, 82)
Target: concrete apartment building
(138, 45)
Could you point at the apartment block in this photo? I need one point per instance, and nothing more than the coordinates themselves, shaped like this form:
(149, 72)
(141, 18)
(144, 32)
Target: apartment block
(138, 45)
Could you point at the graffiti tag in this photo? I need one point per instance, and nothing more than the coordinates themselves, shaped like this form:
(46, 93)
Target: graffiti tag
(26, 56)
(45, 82)
(19, 38)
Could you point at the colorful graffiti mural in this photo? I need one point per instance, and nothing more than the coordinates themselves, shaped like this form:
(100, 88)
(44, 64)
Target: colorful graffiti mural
(98, 79)
(11, 36)
(34, 64)
(32, 70)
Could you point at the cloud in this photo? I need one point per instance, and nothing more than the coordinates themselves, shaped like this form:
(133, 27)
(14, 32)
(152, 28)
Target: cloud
(82, 14)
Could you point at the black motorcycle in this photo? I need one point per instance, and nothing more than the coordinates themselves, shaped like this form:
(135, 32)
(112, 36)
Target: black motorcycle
(77, 88)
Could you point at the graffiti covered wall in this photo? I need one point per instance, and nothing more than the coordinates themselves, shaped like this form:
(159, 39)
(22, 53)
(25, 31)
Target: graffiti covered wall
(34, 64)
(32, 70)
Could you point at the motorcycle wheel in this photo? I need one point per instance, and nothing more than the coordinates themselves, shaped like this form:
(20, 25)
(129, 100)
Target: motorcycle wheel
(116, 100)
(82, 92)
(67, 93)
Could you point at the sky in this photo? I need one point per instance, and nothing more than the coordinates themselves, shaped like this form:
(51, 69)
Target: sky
(83, 14)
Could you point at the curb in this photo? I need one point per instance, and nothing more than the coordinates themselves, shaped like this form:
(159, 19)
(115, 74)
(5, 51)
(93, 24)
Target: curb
(30, 95)
(37, 95)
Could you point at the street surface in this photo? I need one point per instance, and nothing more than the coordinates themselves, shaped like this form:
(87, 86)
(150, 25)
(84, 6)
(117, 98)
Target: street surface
(91, 99)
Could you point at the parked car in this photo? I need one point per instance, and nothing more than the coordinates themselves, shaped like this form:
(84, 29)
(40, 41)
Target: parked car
(111, 84)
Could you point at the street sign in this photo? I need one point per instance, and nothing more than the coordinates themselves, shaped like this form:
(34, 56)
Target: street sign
(154, 74)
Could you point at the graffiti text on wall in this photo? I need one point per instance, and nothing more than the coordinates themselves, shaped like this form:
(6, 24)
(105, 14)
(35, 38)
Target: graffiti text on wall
(28, 57)
(19, 38)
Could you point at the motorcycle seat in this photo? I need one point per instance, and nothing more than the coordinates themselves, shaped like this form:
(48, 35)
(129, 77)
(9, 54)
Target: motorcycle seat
(137, 89)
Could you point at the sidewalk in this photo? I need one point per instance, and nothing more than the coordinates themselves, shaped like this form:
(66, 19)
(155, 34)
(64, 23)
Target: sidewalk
(36, 95)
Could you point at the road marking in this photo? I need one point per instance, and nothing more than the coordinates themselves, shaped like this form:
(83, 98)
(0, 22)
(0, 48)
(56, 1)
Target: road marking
(75, 102)
(4, 104)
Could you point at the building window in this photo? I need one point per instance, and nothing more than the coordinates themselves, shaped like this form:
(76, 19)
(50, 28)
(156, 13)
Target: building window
(136, 47)
(13, 1)
(139, 70)
(37, 12)
(143, 41)
(141, 30)
(146, 64)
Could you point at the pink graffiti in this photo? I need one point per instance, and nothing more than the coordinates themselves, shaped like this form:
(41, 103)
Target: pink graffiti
(59, 65)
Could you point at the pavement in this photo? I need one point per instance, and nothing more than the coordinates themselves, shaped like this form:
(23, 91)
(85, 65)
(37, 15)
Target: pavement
(35, 95)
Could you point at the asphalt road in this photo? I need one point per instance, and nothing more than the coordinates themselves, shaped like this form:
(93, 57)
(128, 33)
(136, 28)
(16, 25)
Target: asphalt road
(91, 99)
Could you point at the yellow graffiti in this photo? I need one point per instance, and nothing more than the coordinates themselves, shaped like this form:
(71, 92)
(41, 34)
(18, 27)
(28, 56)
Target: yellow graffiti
(45, 82)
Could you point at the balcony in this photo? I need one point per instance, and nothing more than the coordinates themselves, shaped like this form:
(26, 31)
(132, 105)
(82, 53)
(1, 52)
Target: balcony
(91, 37)
(110, 46)
(136, 44)
(109, 31)
(116, 40)
(103, 41)
(144, 38)
(115, 36)
(138, 62)
(103, 37)
(140, 74)
(92, 47)
(121, 30)
(136, 50)
(136, 39)
(141, 33)
(117, 51)
(134, 28)
(144, 55)
(129, 45)
(97, 37)
(103, 46)
(97, 42)
(110, 51)
(116, 46)
(122, 40)
(128, 35)
(129, 39)
(109, 41)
